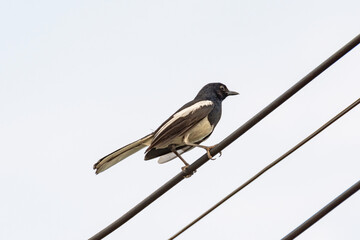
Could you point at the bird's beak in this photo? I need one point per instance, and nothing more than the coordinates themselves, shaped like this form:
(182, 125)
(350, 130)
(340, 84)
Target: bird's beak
(229, 93)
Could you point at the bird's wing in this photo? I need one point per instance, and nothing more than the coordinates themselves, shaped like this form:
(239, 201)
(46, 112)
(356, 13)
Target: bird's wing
(179, 123)
(120, 154)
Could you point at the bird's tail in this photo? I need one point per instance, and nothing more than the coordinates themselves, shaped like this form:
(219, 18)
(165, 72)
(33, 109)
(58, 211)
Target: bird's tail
(122, 153)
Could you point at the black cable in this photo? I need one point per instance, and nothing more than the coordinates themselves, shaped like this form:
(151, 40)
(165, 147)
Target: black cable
(232, 137)
(297, 146)
(325, 210)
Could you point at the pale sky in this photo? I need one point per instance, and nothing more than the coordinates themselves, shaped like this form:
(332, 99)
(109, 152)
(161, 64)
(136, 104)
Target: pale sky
(79, 79)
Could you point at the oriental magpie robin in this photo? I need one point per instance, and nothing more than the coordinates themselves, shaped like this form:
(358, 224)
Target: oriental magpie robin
(185, 129)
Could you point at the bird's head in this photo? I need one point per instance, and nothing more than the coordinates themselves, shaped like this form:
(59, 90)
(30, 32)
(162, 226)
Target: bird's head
(215, 90)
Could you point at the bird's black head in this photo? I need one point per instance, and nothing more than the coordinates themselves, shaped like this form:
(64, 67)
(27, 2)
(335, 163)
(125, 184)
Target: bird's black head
(215, 91)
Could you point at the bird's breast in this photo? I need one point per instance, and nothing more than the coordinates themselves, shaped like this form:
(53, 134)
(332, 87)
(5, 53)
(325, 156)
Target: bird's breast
(201, 130)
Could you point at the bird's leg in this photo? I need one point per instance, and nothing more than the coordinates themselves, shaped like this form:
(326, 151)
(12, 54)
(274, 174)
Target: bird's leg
(207, 148)
(173, 149)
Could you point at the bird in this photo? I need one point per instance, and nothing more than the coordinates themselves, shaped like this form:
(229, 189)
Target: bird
(185, 129)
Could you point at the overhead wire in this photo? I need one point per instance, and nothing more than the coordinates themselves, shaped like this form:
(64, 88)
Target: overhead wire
(322, 212)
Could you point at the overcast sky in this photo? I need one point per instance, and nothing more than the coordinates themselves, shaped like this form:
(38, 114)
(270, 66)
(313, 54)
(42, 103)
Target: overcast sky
(79, 79)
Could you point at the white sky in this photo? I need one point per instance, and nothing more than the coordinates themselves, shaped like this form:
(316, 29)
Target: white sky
(80, 79)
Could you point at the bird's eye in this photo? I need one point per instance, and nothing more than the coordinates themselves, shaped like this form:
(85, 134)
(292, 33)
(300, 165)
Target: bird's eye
(222, 88)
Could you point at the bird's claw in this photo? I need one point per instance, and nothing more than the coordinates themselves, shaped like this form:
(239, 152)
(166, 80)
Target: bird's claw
(220, 153)
(184, 169)
(209, 155)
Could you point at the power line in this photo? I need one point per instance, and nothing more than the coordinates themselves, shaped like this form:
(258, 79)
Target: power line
(293, 149)
(325, 210)
(228, 140)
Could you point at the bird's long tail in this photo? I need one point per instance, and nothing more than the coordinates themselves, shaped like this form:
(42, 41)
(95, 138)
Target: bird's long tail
(122, 153)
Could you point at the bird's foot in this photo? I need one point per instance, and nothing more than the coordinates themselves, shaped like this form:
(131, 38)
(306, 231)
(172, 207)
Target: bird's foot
(188, 174)
(220, 153)
(208, 152)
(184, 167)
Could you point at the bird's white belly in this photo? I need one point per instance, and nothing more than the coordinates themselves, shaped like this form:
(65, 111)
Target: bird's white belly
(199, 131)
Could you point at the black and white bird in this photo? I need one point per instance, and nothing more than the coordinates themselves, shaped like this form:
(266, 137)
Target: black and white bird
(185, 129)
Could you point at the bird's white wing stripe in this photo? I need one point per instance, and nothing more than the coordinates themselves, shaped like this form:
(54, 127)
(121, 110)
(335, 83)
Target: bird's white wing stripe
(183, 113)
